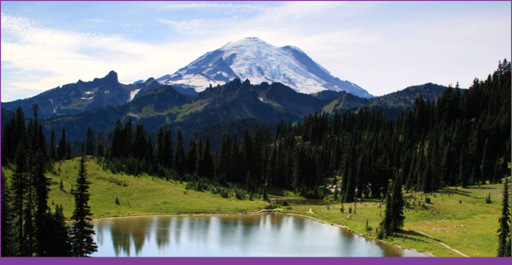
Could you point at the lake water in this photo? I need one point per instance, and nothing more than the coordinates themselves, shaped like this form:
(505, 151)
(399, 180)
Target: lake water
(233, 236)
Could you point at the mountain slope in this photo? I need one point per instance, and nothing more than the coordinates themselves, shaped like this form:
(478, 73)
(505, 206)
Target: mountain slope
(82, 96)
(406, 97)
(258, 61)
(391, 104)
(219, 106)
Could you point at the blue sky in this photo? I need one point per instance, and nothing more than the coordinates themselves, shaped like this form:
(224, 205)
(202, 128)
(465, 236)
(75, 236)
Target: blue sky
(381, 46)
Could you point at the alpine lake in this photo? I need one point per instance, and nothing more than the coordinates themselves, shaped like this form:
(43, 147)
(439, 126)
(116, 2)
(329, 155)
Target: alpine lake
(261, 235)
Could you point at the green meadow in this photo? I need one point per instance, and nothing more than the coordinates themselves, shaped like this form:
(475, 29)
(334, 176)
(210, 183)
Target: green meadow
(459, 218)
(450, 223)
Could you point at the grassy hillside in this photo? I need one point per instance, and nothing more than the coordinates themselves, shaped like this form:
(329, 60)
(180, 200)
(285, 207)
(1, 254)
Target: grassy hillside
(143, 195)
(459, 218)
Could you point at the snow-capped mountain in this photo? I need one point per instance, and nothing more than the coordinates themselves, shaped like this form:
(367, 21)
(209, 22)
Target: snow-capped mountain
(258, 61)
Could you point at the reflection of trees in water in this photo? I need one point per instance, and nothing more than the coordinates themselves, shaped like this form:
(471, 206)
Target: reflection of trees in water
(176, 229)
(140, 231)
(120, 239)
(125, 231)
(162, 231)
(229, 228)
(99, 228)
(197, 228)
(237, 235)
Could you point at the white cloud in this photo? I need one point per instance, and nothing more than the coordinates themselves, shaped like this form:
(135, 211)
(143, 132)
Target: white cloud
(65, 57)
(188, 27)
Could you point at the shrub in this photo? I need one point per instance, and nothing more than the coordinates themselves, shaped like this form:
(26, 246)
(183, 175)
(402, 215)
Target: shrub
(367, 227)
(488, 199)
(224, 193)
(239, 194)
(380, 234)
(271, 206)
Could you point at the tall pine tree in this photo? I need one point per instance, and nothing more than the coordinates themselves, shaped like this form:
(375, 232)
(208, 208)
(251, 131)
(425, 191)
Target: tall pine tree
(179, 155)
(504, 221)
(9, 247)
(82, 230)
(89, 146)
(397, 221)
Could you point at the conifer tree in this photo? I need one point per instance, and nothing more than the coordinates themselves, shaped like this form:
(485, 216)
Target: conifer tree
(41, 216)
(397, 221)
(192, 157)
(20, 132)
(19, 183)
(52, 153)
(62, 149)
(101, 144)
(89, 146)
(504, 221)
(116, 148)
(205, 166)
(140, 143)
(247, 153)
(486, 165)
(82, 230)
(164, 147)
(127, 135)
(57, 243)
(8, 242)
(222, 159)
(463, 168)
(29, 209)
(179, 155)
(386, 224)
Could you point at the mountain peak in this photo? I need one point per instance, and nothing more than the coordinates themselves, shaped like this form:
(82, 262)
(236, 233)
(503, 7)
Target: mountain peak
(112, 75)
(254, 59)
(249, 41)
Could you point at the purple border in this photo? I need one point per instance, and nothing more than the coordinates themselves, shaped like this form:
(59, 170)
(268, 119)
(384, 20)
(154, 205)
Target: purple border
(256, 261)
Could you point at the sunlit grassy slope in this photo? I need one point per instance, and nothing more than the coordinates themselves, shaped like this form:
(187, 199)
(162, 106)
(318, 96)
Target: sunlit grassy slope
(142, 195)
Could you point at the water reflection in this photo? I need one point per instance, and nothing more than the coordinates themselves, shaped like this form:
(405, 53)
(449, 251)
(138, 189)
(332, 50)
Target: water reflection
(246, 235)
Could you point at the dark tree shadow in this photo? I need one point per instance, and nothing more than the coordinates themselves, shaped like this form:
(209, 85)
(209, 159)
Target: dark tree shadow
(456, 192)
(412, 235)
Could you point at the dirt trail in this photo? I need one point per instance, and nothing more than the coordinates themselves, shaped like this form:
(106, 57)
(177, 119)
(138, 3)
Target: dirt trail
(446, 246)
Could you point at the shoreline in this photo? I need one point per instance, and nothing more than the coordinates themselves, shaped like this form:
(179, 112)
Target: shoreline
(346, 228)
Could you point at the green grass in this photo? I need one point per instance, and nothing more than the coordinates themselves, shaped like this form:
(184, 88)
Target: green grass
(458, 217)
(142, 195)
(187, 109)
